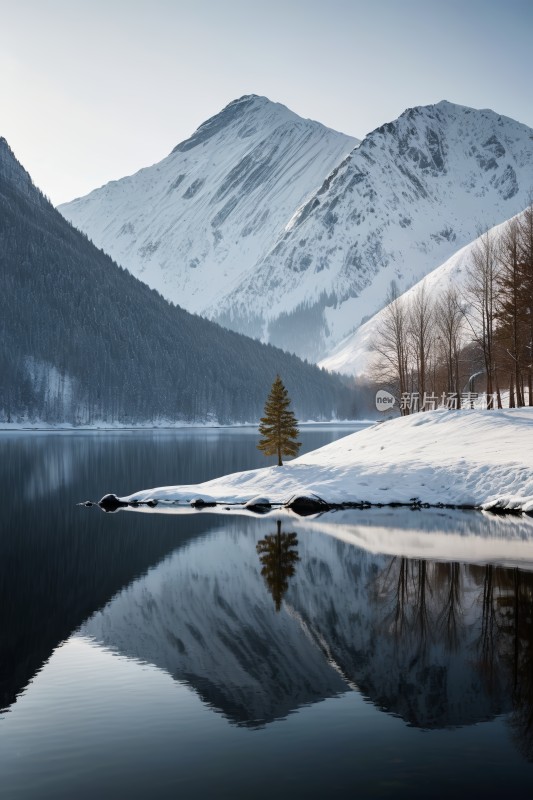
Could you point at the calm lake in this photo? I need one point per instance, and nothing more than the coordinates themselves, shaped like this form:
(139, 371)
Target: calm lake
(156, 655)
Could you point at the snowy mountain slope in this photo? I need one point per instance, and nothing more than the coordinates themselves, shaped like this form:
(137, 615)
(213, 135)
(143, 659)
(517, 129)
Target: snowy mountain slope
(206, 617)
(353, 356)
(190, 225)
(413, 192)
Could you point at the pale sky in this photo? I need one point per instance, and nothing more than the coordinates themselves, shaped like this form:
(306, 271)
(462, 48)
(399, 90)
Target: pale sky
(92, 90)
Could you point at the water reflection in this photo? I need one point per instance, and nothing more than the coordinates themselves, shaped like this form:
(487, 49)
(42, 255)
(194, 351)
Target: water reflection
(60, 563)
(262, 616)
(278, 553)
(438, 644)
(40, 465)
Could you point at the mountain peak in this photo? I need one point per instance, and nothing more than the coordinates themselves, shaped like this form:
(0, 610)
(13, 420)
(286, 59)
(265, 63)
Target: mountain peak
(231, 114)
(446, 109)
(246, 116)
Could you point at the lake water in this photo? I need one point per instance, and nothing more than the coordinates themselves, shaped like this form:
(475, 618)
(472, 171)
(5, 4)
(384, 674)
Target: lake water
(220, 656)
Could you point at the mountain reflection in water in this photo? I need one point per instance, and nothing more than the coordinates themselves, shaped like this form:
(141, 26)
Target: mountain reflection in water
(437, 644)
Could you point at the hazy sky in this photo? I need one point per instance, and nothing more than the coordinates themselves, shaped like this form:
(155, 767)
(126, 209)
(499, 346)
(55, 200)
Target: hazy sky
(92, 90)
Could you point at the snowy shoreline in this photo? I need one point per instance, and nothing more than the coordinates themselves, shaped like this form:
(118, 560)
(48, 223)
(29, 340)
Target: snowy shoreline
(469, 458)
(41, 427)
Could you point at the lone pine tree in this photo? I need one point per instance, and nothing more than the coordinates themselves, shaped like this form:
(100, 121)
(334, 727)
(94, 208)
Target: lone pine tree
(278, 427)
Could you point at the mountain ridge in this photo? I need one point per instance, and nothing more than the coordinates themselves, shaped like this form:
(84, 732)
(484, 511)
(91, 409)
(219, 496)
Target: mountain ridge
(394, 209)
(303, 269)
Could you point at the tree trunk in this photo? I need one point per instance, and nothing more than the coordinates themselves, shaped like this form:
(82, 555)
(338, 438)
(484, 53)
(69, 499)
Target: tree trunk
(498, 393)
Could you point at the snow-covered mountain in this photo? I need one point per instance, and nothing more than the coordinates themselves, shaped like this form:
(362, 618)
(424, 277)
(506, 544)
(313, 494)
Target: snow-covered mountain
(205, 616)
(408, 197)
(354, 354)
(195, 225)
(269, 225)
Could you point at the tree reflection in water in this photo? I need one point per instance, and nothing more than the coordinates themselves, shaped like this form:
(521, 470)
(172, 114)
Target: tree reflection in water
(426, 602)
(278, 554)
(516, 635)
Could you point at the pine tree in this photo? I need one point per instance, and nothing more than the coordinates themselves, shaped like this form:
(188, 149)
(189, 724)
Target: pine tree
(278, 427)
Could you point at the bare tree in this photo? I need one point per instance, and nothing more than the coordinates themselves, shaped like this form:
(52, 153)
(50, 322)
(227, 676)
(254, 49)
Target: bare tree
(526, 261)
(509, 310)
(391, 343)
(481, 291)
(421, 316)
(449, 322)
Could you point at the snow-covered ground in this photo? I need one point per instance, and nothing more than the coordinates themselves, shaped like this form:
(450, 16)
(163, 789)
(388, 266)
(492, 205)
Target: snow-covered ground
(469, 457)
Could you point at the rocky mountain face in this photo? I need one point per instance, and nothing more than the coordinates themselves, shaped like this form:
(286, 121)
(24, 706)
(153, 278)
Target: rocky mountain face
(413, 193)
(283, 229)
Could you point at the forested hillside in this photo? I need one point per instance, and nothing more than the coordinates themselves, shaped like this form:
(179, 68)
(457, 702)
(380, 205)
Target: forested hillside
(84, 342)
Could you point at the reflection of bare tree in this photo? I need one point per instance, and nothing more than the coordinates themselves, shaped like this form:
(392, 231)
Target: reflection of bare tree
(450, 617)
(278, 554)
(487, 638)
(424, 604)
(405, 586)
(421, 619)
(392, 585)
(517, 624)
(402, 592)
(506, 645)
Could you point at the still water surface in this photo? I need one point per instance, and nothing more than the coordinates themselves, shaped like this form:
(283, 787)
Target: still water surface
(157, 655)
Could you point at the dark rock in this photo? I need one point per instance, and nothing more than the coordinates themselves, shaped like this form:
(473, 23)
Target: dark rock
(260, 505)
(304, 505)
(259, 509)
(201, 503)
(110, 502)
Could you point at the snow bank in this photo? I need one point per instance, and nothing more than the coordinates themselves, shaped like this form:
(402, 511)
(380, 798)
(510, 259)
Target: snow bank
(446, 535)
(469, 457)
